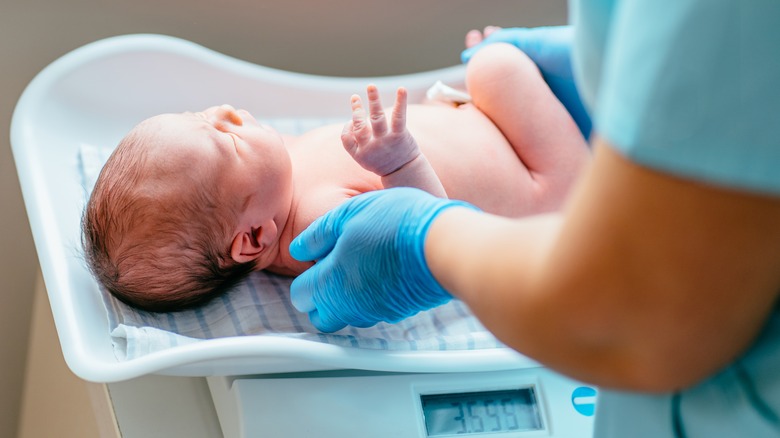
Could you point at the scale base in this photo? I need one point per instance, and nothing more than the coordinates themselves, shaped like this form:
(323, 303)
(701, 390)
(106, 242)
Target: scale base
(351, 403)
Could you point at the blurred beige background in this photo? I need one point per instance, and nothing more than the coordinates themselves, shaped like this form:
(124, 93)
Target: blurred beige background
(337, 37)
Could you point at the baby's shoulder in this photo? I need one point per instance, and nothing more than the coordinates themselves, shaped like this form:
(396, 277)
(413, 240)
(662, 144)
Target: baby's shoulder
(316, 201)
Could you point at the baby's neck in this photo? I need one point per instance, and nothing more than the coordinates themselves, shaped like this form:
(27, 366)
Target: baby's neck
(279, 260)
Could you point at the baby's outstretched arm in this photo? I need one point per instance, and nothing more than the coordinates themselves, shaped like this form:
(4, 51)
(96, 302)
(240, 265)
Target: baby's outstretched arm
(390, 153)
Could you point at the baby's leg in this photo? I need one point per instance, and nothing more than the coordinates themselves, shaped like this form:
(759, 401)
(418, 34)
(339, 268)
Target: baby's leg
(507, 87)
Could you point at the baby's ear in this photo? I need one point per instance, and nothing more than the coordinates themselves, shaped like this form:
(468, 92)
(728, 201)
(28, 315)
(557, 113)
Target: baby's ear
(249, 244)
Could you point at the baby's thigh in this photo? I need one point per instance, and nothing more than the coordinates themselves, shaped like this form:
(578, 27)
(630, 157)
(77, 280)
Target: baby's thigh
(506, 86)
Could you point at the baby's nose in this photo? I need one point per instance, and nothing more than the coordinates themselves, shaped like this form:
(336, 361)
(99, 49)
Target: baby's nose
(226, 113)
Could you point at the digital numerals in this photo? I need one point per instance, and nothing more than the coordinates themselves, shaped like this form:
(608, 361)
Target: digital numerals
(489, 415)
(481, 412)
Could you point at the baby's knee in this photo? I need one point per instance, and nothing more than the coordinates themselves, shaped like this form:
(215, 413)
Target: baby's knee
(497, 61)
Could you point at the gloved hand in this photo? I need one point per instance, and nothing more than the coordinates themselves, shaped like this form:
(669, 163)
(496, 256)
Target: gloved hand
(370, 260)
(550, 48)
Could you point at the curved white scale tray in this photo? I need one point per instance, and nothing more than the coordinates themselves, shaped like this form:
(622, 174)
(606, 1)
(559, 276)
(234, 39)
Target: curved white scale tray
(94, 95)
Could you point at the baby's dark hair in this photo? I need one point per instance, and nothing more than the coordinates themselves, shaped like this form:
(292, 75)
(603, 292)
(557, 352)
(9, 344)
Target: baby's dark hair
(154, 249)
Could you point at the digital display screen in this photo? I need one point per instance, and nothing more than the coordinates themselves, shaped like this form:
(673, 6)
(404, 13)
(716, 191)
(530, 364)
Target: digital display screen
(481, 412)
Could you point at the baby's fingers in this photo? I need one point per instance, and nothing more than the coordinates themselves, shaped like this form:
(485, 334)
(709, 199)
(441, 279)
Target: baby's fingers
(398, 124)
(376, 112)
(360, 128)
(348, 139)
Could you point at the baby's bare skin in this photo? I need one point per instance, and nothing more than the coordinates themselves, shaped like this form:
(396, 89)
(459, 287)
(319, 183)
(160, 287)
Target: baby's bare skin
(210, 195)
(514, 151)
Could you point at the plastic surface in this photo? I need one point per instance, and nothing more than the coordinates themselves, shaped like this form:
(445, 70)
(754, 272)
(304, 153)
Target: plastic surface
(94, 95)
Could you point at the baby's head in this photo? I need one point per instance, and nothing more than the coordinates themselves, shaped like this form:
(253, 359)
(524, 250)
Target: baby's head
(186, 207)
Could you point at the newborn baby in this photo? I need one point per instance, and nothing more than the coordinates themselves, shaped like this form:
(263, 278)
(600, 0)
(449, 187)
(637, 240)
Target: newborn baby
(190, 204)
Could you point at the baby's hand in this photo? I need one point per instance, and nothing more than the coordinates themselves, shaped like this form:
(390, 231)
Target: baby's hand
(370, 143)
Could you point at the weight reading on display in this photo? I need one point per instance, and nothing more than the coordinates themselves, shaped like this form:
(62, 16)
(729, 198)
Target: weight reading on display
(484, 412)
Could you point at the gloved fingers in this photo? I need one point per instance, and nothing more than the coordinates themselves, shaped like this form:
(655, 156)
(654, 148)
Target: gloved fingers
(376, 113)
(302, 298)
(360, 129)
(399, 111)
(312, 283)
(489, 30)
(550, 48)
(325, 324)
(302, 290)
(318, 239)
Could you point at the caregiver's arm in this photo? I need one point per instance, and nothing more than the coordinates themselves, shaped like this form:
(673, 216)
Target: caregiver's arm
(646, 282)
(390, 152)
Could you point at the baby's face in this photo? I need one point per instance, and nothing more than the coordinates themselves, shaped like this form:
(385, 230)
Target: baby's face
(229, 150)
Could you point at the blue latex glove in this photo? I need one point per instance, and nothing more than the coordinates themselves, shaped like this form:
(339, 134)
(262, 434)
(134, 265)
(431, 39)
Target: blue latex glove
(550, 48)
(370, 261)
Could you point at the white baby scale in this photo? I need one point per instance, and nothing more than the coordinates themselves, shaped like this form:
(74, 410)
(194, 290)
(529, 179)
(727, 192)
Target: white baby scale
(274, 386)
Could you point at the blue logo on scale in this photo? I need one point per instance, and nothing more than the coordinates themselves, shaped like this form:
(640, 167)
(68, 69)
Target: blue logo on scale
(584, 400)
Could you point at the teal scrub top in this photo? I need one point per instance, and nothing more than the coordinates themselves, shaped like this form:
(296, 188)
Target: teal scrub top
(686, 86)
(692, 88)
